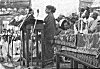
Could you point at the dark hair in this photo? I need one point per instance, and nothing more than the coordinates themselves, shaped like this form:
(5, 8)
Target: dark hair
(52, 8)
(30, 9)
(73, 14)
(95, 13)
(87, 12)
(82, 10)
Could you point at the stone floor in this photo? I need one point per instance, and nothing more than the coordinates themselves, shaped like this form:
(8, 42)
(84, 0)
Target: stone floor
(9, 66)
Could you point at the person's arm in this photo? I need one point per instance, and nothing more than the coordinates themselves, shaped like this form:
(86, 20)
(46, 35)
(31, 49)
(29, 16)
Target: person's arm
(58, 31)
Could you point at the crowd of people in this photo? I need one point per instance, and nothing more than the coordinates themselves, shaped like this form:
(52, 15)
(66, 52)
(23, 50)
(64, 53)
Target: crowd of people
(85, 22)
(7, 38)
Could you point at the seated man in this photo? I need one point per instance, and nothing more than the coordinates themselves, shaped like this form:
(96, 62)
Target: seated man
(94, 23)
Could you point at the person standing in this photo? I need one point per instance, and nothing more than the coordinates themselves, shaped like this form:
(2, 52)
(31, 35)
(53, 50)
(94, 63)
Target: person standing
(49, 31)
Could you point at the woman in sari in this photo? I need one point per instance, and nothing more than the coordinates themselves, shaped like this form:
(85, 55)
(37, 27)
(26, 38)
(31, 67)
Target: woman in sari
(49, 32)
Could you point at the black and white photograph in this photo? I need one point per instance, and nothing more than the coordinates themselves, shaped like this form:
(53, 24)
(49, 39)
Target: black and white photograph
(49, 34)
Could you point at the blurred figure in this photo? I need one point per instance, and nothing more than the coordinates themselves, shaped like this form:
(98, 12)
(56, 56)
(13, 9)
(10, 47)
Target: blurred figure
(58, 23)
(93, 24)
(83, 24)
(74, 18)
(86, 13)
(81, 11)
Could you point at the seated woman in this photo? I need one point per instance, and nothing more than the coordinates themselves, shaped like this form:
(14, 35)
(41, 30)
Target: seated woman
(64, 29)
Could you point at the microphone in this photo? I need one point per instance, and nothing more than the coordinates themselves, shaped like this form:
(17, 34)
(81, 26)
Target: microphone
(38, 11)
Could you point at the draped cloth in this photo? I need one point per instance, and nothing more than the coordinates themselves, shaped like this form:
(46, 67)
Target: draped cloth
(93, 24)
(49, 32)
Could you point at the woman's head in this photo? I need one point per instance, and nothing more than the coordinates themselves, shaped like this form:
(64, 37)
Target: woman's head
(65, 25)
(50, 9)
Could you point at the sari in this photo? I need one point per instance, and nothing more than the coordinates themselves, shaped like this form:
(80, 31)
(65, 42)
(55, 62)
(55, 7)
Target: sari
(49, 33)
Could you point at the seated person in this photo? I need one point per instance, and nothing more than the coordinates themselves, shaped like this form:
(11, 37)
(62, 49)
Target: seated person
(65, 25)
(94, 23)
(66, 29)
(58, 23)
